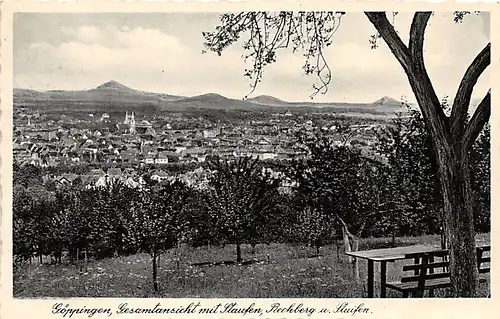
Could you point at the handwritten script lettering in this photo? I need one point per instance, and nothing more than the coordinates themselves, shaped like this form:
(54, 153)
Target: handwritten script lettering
(66, 311)
(237, 309)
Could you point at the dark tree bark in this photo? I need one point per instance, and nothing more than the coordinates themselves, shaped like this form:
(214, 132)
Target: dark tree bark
(155, 279)
(238, 253)
(452, 138)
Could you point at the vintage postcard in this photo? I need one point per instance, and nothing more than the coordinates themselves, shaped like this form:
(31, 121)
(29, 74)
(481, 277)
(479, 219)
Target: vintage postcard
(263, 159)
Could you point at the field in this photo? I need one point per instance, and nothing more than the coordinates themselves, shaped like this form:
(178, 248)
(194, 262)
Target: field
(290, 271)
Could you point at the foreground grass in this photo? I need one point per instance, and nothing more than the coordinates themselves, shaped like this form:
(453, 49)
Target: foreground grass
(291, 272)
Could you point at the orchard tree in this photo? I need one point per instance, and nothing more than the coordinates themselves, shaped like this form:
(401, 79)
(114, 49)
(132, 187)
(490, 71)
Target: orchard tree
(342, 184)
(240, 199)
(82, 220)
(112, 200)
(152, 223)
(452, 136)
(313, 227)
(23, 224)
(411, 184)
(339, 181)
(481, 176)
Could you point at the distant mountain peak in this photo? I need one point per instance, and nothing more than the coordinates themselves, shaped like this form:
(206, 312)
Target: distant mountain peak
(385, 100)
(265, 99)
(211, 96)
(113, 85)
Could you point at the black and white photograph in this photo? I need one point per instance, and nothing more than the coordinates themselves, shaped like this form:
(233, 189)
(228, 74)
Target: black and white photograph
(251, 154)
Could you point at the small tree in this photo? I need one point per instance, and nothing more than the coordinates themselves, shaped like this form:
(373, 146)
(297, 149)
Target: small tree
(338, 181)
(239, 200)
(313, 227)
(113, 200)
(23, 228)
(480, 166)
(152, 224)
(411, 198)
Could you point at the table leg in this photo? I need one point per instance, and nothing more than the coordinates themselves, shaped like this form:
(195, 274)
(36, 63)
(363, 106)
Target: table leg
(370, 278)
(383, 279)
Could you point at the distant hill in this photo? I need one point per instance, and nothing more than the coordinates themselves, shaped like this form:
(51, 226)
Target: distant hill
(111, 91)
(210, 101)
(116, 96)
(267, 100)
(386, 101)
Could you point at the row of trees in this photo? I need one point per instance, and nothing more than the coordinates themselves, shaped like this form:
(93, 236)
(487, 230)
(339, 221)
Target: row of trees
(337, 190)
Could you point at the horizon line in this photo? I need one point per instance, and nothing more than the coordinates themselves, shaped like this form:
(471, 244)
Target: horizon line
(206, 93)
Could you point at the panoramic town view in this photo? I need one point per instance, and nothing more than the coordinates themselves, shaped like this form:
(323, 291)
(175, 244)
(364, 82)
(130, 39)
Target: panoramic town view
(251, 155)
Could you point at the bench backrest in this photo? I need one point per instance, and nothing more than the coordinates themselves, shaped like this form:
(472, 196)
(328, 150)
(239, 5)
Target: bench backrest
(436, 265)
(425, 266)
(483, 259)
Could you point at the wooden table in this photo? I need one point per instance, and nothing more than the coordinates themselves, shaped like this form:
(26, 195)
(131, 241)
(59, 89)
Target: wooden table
(387, 255)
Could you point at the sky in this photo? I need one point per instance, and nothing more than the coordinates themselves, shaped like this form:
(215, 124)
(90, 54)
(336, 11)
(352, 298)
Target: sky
(161, 52)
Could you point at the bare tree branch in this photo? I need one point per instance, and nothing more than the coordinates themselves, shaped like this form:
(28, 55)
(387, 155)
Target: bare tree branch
(417, 32)
(346, 228)
(387, 32)
(477, 122)
(414, 69)
(464, 92)
(361, 228)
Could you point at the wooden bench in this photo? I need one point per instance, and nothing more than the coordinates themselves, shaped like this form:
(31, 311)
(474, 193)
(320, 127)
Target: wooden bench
(429, 274)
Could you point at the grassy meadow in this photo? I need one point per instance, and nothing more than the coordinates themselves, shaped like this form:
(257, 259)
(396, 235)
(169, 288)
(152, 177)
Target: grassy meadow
(290, 271)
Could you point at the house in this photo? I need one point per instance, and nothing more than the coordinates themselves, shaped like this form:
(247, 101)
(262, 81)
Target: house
(97, 172)
(180, 149)
(264, 141)
(162, 158)
(130, 182)
(128, 156)
(210, 133)
(149, 159)
(197, 153)
(159, 176)
(102, 181)
(267, 155)
(114, 173)
(66, 179)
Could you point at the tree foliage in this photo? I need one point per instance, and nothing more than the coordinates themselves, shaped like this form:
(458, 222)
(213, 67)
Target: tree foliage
(239, 200)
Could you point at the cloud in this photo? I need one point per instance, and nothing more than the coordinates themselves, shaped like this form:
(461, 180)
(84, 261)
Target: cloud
(144, 58)
(106, 49)
(170, 60)
(85, 33)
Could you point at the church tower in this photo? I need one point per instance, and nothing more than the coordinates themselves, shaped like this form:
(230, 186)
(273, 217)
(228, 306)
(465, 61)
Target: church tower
(127, 119)
(132, 123)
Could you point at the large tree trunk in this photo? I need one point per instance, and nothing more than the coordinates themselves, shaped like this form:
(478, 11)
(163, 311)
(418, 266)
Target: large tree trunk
(454, 176)
(459, 219)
